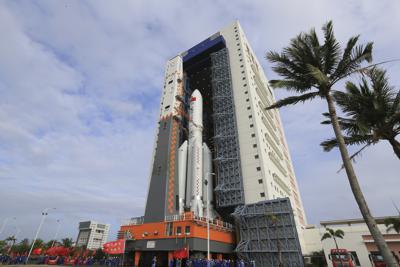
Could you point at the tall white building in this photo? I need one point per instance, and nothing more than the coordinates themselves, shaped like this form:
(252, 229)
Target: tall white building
(92, 234)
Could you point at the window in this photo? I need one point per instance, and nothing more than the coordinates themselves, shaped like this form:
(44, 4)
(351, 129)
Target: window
(187, 230)
(237, 39)
(237, 44)
(240, 54)
(241, 66)
(245, 92)
(242, 71)
(244, 85)
(256, 156)
(247, 100)
(355, 258)
(260, 181)
(244, 78)
(253, 135)
(170, 81)
(248, 108)
(254, 145)
(251, 125)
(262, 194)
(168, 229)
(258, 168)
(241, 60)
(238, 49)
(167, 107)
(178, 230)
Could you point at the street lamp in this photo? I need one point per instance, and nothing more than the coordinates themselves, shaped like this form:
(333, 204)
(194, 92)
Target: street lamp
(208, 216)
(44, 214)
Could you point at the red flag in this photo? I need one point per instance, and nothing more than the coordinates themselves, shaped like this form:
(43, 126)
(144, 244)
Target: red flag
(37, 251)
(181, 253)
(114, 247)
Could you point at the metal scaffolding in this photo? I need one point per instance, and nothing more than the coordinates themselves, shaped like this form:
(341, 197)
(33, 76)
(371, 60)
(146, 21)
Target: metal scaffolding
(229, 188)
(268, 232)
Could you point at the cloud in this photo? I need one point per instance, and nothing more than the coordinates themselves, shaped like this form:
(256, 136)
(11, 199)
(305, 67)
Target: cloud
(80, 85)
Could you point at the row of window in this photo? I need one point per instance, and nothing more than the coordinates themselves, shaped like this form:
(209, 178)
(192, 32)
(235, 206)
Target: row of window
(169, 229)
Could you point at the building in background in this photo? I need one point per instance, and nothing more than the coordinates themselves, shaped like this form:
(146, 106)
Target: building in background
(357, 240)
(92, 234)
(216, 150)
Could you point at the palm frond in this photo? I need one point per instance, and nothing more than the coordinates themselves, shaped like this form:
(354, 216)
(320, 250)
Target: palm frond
(329, 144)
(351, 62)
(339, 233)
(326, 236)
(331, 48)
(291, 100)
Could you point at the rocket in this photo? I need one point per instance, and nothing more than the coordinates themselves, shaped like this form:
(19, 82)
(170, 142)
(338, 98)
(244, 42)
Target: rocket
(194, 163)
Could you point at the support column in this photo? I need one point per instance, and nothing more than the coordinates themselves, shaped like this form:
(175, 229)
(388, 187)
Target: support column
(170, 256)
(137, 257)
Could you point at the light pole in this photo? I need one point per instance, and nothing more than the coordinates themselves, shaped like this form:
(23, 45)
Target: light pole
(208, 216)
(55, 236)
(4, 224)
(44, 214)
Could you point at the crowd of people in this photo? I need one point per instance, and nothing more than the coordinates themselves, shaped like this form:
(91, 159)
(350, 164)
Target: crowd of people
(211, 263)
(59, 260)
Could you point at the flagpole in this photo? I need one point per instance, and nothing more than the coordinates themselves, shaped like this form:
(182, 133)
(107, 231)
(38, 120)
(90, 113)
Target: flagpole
(123, 255)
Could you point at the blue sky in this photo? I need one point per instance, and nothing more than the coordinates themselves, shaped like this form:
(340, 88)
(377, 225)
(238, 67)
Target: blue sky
(80, 83)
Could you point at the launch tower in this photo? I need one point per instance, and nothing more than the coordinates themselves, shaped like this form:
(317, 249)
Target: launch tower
(216, 146)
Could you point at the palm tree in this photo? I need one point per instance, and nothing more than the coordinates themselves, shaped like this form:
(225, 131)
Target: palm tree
(66, 242)
(372, 112)
(39, 243)
(311, 69)
(330, 233)
(392, 223)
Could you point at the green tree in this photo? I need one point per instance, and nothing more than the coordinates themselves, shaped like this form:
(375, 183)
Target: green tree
(39, 243)
(22, 246)
(49, 243)
(392, 223)
(3, 246)
(66, 242)
(330, 233)
(311, 69)
(372, 112)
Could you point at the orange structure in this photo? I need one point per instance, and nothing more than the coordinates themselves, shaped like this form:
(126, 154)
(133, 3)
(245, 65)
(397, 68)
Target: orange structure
(175, 233)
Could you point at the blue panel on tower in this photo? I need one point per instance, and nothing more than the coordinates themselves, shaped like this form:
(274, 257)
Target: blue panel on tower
(203, 46)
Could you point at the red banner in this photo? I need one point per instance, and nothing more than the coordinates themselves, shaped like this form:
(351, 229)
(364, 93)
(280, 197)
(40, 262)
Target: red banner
(57, 251)
(115, 247)
(181, 253)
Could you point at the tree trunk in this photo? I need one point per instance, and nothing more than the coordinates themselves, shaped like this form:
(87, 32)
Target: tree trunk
(334, 239)
(396, 146)
(355, 188)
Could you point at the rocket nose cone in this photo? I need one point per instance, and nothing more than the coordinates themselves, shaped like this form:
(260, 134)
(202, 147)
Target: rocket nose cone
(197, 95)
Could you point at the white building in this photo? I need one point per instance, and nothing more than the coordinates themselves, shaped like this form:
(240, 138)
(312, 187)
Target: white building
(92, 234)
(357, 240)
(265, 160)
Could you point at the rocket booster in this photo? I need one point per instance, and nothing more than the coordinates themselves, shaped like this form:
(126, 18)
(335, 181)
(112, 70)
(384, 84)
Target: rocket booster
(194, 162)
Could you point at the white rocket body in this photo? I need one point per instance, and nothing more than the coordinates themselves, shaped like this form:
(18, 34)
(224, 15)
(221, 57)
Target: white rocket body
(195, 162)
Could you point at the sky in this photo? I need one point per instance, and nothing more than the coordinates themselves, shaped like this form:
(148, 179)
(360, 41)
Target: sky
(80, 85)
